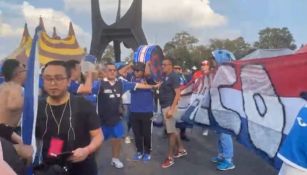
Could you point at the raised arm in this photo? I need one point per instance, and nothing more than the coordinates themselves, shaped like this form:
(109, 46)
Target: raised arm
(86, 88)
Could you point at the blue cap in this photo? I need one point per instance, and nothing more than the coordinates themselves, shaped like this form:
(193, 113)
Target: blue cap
(90, 58)
(120, 65)
(223, 56)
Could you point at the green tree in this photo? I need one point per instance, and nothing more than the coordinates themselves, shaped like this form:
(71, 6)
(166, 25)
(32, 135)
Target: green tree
(184, 40)
(200, 53)
(274, 38)
(169, 49)
(129, 58)
(108, 55)
(237, 46)
(181, 48)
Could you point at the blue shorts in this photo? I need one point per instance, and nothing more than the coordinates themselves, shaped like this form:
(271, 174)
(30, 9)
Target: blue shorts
(116, 131)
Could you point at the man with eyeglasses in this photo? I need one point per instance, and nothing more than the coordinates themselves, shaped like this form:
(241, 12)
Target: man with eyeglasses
(67, 124)
(169, 96)
(110, 109)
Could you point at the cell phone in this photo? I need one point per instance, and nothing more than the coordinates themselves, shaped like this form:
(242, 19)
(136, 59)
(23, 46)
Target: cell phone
(64, 155)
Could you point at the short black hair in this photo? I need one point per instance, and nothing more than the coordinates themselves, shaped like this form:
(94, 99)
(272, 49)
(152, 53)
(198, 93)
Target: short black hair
(9, 67)
(171, 60)
(58, 63)
(71, 64)
(109, 64)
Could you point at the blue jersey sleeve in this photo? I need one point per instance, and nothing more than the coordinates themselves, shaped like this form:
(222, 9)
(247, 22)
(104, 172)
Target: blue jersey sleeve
(73, 87)
(127, 86)
(150, 80)
(96, 87)
(130, 76)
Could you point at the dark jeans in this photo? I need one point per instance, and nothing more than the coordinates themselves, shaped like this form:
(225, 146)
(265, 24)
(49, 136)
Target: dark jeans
(141, 126)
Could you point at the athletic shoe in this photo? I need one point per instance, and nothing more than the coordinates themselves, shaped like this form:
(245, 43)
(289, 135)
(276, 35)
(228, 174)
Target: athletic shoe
(225, 165)
(181, 153)
(117, 163)
(167, 162)
(138, 156)
(217, 160)
(146, 157)
(127, 140)
(205, 132)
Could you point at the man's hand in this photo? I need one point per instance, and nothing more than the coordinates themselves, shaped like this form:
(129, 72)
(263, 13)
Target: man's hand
(79, 155)
(169, 113)
(24, 151)
(148, 63)
(157, 86)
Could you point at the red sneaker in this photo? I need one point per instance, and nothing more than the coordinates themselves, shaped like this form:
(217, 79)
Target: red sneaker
(181, 153)
(167, 162)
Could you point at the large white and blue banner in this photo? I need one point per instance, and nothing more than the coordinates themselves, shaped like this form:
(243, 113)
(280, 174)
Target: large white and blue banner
(31, 92)
(255, 100)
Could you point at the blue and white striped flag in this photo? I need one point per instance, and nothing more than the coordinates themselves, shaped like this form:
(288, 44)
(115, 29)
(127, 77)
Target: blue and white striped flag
(31, 91)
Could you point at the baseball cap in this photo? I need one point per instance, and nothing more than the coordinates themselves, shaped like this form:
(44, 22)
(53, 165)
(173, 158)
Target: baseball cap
(177, 67)
(205, 62)
(139, 66)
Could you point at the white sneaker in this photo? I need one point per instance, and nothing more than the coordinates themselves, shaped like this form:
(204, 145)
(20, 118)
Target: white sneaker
(205, 132)
(117, 163)
(127, 140)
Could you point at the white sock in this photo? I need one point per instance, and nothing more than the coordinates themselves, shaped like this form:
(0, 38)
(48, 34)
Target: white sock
(115, 159)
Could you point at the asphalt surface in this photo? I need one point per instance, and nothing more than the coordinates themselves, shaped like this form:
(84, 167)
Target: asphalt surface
(197, 162)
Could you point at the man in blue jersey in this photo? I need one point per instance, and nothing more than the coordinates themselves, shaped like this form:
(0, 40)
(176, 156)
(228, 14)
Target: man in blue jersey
(77, 86)
(141, 108)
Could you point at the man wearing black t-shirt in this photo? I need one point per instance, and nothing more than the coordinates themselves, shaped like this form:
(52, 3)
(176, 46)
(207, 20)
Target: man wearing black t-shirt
(67, 123)
(169, 96)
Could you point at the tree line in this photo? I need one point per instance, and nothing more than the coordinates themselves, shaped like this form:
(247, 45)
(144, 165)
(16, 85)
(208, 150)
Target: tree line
(187, 51)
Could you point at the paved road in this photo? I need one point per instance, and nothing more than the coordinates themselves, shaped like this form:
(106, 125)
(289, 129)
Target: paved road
(200, 150)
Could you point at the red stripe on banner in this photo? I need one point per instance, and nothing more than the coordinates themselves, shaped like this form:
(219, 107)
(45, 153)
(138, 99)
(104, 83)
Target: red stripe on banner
(287, 73)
